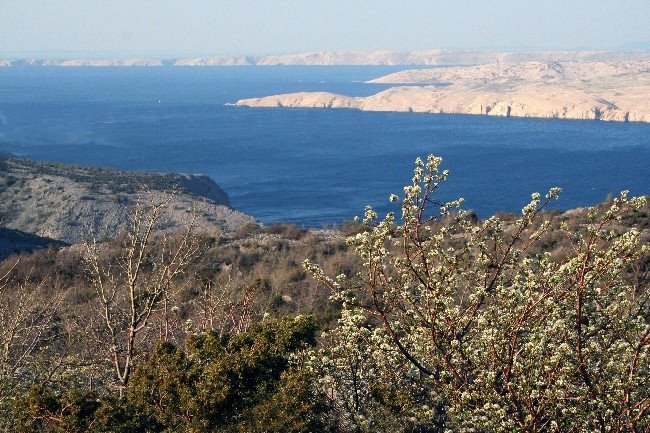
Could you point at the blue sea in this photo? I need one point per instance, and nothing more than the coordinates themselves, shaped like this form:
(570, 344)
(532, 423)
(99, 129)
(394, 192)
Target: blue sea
(313, 167)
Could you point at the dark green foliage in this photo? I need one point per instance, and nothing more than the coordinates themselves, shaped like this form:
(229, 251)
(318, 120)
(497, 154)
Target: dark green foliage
(44, 410)
(48, 410)
(241, 383)
(248, 261)
(219, 380)
(294, 408)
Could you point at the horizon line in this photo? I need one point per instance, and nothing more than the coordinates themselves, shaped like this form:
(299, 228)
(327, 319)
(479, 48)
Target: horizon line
(98, 55)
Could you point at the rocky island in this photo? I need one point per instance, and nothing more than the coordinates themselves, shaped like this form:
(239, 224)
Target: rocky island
(599, 90)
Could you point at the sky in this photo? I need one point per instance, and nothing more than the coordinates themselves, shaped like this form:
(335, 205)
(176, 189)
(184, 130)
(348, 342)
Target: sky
(177, 28)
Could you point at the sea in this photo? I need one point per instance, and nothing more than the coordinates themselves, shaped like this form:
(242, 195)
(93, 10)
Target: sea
(312, 167)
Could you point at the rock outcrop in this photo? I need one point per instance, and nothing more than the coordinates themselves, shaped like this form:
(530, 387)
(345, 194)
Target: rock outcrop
(617, 91)
(68, 203)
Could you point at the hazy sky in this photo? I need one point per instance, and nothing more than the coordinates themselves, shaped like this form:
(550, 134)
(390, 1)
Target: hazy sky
(242, 27)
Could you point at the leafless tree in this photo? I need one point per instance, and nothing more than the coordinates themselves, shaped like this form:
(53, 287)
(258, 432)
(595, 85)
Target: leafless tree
(132, 289)
(226, 310)
(26, 326)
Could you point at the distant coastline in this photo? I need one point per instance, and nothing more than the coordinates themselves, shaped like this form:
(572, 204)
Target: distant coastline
(434, 57)
(611, 91)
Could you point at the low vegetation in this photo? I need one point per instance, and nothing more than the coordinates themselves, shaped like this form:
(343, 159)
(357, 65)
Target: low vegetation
(433, 322)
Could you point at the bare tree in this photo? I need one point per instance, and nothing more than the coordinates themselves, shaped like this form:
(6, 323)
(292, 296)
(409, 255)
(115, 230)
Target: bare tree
(132, 289)
(26, 326)
(222, 308)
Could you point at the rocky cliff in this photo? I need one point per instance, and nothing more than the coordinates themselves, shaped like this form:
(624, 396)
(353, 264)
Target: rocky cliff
(69, 203)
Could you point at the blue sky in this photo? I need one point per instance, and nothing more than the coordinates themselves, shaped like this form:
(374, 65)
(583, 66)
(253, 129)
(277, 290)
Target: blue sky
(254, 27)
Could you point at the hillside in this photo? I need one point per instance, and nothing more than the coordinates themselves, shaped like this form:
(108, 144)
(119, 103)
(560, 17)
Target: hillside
(618, 91)
(67, 203)
(248, 285)
(368, 57)
(17, 242)
(505, 73)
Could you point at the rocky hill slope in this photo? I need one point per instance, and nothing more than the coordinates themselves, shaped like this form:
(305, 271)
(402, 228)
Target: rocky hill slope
(16, 242)
(70, 203)
(504, 73)
(618, 91)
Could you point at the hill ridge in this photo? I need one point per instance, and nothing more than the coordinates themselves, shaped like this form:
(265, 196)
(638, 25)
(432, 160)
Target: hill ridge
(64, 202)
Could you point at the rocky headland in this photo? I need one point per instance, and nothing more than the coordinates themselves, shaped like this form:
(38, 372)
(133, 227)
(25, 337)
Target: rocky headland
(615, 90)
(69, 203)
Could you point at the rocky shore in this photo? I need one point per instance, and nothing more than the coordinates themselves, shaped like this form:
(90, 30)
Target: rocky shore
(615, 91)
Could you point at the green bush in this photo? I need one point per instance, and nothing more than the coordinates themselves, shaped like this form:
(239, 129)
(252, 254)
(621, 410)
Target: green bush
(240, 383)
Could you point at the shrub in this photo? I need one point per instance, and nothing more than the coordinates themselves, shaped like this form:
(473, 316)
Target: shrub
(288, 231)
(504, 336)
(220, 381)
(239, 383)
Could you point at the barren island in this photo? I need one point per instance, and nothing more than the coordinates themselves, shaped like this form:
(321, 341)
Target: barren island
(598, 90)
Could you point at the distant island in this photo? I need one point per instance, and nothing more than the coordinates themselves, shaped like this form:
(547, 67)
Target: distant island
(598, 85)
(435, 57)
(600, 90)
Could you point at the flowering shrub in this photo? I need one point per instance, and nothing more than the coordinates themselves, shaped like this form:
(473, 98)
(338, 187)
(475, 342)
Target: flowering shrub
(460, 325)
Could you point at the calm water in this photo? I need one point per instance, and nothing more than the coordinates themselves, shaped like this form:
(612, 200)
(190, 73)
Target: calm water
(312, 167)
